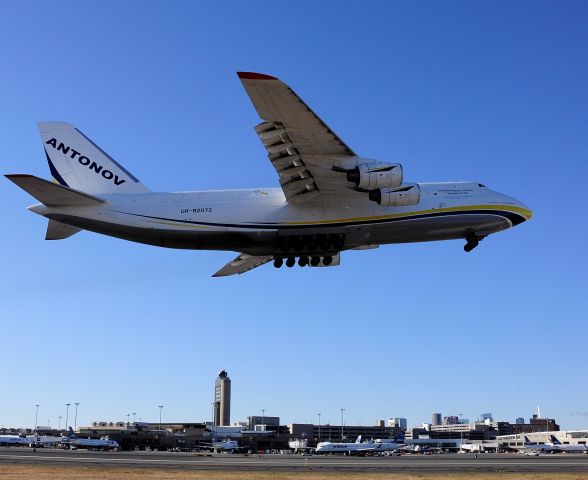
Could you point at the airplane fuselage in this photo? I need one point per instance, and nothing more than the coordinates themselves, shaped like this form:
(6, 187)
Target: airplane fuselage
(357, 448)
(330, 199)
(261, 222)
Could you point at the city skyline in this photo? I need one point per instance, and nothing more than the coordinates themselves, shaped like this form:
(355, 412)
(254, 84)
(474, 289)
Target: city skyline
(317, 420)
(489, 92)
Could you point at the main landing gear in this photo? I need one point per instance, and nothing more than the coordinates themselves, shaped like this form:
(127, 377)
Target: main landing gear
(303, 261)
(472, 242)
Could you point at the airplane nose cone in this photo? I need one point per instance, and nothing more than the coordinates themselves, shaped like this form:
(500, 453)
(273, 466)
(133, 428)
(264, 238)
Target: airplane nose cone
(525, 211)
(521, 212)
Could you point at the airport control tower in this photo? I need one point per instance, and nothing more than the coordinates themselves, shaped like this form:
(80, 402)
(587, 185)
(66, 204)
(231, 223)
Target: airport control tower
(222, 399)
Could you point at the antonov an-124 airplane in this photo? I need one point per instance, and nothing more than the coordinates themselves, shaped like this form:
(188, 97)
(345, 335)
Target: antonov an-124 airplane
(330, 199)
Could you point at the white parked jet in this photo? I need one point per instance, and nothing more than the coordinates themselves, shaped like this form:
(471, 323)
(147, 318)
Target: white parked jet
(529, 446)
(564, 447)
(220, 445)
(361, 448)
(330, 199)
(73, 442)
(12, 440)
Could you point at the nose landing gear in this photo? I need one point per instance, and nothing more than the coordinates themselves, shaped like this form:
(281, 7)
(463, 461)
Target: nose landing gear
(472, 242)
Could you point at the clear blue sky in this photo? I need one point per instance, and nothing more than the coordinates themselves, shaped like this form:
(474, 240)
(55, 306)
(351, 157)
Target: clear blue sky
(487, 91)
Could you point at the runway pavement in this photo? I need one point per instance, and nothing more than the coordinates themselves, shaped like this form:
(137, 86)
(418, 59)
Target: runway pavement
(564, 463)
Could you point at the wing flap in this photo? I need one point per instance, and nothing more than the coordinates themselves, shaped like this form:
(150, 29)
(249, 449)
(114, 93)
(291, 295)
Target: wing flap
(243, 263)
(52, 194)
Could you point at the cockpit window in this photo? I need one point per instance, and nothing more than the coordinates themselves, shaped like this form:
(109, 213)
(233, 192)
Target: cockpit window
(482, 186)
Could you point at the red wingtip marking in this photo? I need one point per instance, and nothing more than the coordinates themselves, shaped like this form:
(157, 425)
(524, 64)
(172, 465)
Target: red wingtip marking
(255, 76)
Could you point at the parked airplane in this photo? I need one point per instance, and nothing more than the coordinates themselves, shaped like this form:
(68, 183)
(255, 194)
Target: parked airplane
(330, 199)
(361, 448)
(30, 440)
(535, 447)
(560, 447)
(13, 440)
(221, 445)
(73, 442)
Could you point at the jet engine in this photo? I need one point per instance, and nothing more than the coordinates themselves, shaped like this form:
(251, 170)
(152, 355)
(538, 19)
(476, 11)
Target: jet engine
(408, 194)
(376, 175)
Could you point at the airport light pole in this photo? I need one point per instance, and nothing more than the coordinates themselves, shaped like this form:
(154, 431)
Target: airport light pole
(76, 417)
(342, 423)
(460, 430)
(36, 415)
(319, 432)
(160, 408)
(134, 417)
(67, 415)
(263, 419)
(59, 427)
(128, 419)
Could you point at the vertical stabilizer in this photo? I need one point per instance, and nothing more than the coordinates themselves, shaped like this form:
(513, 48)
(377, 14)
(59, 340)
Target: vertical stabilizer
(77, 162)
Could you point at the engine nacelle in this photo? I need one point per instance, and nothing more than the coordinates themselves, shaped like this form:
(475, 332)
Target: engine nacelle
(409, 194)
(376, 175)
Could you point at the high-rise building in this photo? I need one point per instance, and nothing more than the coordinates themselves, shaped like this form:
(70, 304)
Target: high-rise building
(520, 421)
(398, 422)
(222, 399)
(436, 419)
(451, 420)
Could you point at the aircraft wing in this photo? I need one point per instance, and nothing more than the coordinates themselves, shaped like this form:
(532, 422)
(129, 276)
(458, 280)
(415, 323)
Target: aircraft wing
(301, 147)
(243, 263)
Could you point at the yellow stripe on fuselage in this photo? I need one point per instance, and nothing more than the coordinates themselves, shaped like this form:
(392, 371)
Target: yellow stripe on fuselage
(508, 208)
(182, 225)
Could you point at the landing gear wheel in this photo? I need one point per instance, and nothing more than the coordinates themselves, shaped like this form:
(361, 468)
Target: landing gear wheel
(472, 242)
(468, 247)
(278, 262)
(290, 262)
(327, 260)
(314, 261)
(303, 261)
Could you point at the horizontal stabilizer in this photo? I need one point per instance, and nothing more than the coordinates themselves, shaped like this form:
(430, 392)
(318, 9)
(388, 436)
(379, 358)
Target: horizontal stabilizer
(243, 263)
(52, 194)
(58, 231)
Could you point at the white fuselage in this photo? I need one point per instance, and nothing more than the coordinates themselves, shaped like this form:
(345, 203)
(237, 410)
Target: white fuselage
(357, 447)
(12, 440)
(560, 447)
(102, 444)
(225, 445)
(261, 222)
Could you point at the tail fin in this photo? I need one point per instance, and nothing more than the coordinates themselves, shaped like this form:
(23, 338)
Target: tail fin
(527, 441)
(399, 437)
(77, 162)
(358, 439)
(71, 433)
(554, 440)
